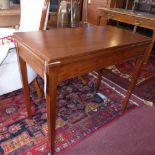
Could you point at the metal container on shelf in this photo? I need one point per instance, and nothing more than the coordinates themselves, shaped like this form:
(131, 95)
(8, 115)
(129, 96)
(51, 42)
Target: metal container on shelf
(68, 14)
(75, 14)
(63, 16)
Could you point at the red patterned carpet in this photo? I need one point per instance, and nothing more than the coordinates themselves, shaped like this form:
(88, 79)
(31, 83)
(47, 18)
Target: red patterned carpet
(80, 112)
(118, 76)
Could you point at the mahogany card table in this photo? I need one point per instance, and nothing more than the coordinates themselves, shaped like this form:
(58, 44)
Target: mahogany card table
(60, 54)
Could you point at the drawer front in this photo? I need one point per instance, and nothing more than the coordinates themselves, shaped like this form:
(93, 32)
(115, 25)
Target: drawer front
(147, 23)
(123, 18)
(119, 17)
(130, 19)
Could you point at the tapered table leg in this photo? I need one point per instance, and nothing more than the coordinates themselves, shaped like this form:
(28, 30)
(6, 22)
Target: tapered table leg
(150, 48)
(37, 87)
(132, 84)
(51, 93)
(23, 70)
(99, 78)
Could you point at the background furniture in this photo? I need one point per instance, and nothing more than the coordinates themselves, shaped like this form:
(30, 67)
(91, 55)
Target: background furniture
(136, 19)
(10, 17)
(93, 9)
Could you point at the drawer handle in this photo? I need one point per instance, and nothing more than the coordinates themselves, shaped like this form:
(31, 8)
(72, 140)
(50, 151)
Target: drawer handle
(137, 22)
(110, 15)
(141, 22)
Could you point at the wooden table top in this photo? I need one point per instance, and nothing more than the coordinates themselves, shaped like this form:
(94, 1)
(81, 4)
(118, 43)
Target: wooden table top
(62, 44)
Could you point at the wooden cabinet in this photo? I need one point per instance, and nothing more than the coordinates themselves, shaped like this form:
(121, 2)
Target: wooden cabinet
(116, 3)
(93, 9)
(95, 4)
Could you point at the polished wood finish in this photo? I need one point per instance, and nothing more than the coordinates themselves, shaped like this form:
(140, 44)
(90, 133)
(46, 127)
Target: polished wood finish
(60, 54)
(23, 71)
(136, 19)
(95, 4)
(116, 3)
(139, 64)
(93, 10)
(10, 17)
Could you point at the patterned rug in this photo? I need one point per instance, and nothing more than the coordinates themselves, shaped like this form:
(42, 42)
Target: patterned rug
(120, 75)
(80, 112)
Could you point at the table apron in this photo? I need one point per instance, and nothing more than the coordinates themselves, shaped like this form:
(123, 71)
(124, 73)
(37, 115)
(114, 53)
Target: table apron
(70, 68)
(96, 62)
(33, 60)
